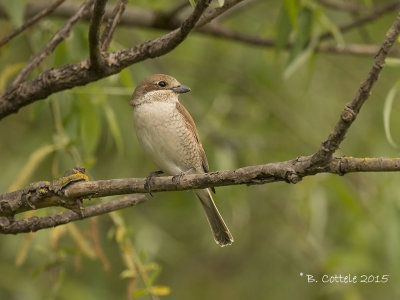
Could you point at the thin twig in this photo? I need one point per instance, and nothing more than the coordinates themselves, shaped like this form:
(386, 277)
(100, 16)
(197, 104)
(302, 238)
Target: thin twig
(112, 23)
(216, 12)
(96, 58)
(375, 14)
(31, 21)
(355, 49)
(348, 115)
(61, 35)
(220, 31)
(342, 6)
(14, 226)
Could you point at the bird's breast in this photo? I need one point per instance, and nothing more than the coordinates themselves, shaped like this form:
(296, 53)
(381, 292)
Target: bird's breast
(165, 138)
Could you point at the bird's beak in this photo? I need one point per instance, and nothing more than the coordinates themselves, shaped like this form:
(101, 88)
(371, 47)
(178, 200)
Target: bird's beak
(180, 89)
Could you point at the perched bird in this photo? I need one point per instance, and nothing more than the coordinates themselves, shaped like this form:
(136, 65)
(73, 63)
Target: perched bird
(168, 135)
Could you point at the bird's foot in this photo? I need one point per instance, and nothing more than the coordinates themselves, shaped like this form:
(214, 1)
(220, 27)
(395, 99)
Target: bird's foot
(147, 184)
(177, 178)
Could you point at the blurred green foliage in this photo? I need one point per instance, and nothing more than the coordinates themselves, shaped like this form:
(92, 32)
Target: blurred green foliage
(252, 105)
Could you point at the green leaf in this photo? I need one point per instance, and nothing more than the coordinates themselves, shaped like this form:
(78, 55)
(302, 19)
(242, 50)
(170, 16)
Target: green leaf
(160, 290)
(387, 109)
(81, 242)
(368, 3)
(114, 127)
(283, 28)
(33, 163)
(24, 250)
(61, 54)
(77, 43)
(140, 293)
(301, 59)
(156, 270)
(326, 23)
(192, 3)
(126, 79)
(303, 33)
(292, 8)
(90, 124)
(128, 274)
(15, 10)
(306, 17)
(8, 72)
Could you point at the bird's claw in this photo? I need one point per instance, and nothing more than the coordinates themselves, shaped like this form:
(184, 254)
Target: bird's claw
(177, 178)
(147, 184)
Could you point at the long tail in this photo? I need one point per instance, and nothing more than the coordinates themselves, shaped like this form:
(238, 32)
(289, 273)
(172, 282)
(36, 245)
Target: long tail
(221, 232)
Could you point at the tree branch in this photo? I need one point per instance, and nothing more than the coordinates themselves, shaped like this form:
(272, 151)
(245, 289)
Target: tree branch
(69, 76)
(14, 226)
(42, 194)
(216, 12)
(349, 114)
(95, 57)
(356, 49)
(31, 21)
(112, 23)
(342, 6)
(220, 31)
(291, 171)
(51, 45)
(68, 191)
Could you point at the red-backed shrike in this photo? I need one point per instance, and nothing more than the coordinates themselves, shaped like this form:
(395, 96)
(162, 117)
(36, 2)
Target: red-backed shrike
(169, 137)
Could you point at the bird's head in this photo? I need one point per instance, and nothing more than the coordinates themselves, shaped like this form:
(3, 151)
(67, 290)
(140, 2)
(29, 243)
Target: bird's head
(158, 87)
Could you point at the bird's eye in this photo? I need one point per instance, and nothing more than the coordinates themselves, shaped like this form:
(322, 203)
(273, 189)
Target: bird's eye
(162, 83)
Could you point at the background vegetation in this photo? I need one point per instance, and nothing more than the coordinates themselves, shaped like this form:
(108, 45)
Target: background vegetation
(252, 105)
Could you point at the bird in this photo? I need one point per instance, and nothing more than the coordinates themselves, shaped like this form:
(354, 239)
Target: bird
(169, 137)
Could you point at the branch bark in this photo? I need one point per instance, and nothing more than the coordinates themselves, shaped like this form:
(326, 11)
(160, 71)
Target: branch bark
(14, 226)
(95, 56)
(69, 76)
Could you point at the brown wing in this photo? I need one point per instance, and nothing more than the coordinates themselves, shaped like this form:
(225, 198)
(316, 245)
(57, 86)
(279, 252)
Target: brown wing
(192, 127)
